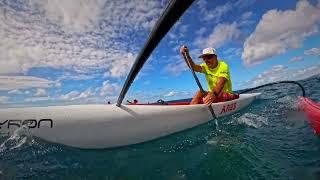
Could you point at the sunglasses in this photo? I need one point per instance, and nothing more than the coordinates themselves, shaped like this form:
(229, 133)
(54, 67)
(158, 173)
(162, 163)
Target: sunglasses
(207, 57)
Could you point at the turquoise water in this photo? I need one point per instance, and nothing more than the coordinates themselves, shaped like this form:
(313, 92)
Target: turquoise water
(268, 140)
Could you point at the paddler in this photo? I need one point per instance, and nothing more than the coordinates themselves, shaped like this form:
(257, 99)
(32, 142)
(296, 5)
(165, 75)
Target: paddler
(217, 75)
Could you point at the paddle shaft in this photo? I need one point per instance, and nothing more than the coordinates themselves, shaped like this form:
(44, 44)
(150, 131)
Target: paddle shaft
(198, 83)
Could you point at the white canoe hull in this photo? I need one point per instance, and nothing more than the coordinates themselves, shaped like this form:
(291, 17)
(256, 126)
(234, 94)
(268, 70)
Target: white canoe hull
(105, 126)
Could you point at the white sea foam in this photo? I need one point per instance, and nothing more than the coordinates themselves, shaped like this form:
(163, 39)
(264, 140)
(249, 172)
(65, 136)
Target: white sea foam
(253, 120)
(288, 107)
(289, 102)
(212, 141)
(20, 137)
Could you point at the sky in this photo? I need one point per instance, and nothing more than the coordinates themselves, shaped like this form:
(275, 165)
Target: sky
(62, 52)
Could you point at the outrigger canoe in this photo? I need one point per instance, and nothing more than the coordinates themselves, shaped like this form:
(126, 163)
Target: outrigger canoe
(106, 126)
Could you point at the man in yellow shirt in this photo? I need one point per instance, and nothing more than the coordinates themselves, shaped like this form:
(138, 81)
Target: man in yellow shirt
(217, 75)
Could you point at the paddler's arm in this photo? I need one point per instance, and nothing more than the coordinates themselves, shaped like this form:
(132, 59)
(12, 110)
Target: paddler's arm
(185, 54)
(212, 96)
(219, 86)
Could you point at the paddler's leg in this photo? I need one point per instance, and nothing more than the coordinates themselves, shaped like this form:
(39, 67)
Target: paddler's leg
(197, 98)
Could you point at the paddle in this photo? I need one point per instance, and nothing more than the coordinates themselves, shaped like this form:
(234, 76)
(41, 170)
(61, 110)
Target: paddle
(200, 87)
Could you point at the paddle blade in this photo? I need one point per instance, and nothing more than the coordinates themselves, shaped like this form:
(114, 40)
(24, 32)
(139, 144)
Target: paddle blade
(312, 111)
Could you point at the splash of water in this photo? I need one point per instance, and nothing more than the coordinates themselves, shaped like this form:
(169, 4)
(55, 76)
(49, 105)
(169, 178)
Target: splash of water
(288, 107)
(289, 103)
(20, 137)
(253, 120)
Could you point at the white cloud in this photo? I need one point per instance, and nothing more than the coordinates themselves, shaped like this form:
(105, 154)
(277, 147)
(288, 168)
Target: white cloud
(57, 84)
(75, 76)
(40, 93)
(222, 34)
(176, 94)
(244, 3)
(72, 15)
(109, 88)
(246, 19)
(202, 5)
(279, 30)
(15, 91)
(271, 75)
(75, 95)
(280, 73)
(37, 99)
(156, 94)
(171, 93)
(217, 13)
(84, 16)
(86, 94)
(296, 59)
(69, 96)
(246, 15)
(4, 99)
(121, 66)
(201, 31)
(164, 3)
(232, 53)
(74, 36)
(312, 52)
(182, 30)
(8, 83)
(176, 66)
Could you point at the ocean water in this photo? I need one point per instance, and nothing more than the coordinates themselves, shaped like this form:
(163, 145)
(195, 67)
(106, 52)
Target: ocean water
(270, 139)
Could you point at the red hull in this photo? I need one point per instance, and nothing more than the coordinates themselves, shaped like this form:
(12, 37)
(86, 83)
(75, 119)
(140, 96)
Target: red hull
(312, 111)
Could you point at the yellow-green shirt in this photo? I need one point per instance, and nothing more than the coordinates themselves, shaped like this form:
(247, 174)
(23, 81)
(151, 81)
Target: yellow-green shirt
(212, 75)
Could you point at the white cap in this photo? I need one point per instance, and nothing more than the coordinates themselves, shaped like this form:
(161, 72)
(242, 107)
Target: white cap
(208, 51)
